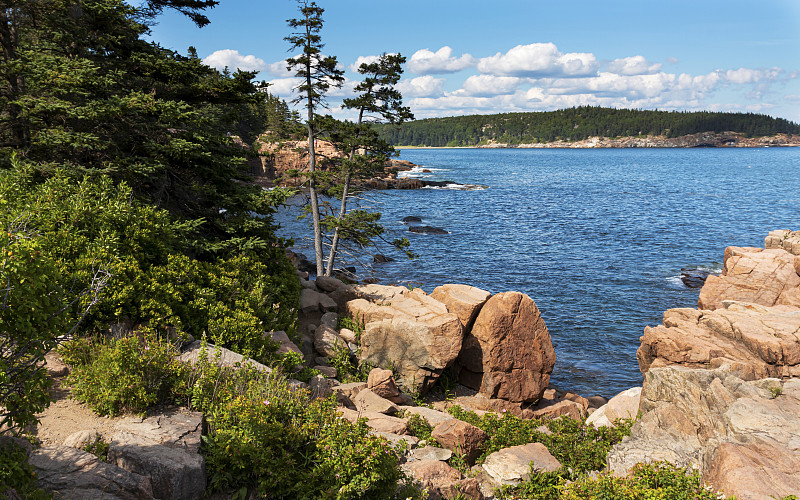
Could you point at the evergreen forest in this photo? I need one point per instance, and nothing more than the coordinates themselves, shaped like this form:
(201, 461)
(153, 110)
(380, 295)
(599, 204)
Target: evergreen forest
(576, 124)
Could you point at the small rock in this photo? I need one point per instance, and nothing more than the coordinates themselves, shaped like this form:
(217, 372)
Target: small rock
(366, 400)
(327, 371)
(327, 342)
(513, 465)
(433, 417)
(329, 283)
(432, 453)
(55, 367)
(563, 408)
(623, 405)
(381, 259)
(409, 441)
(385, 423)
(412, 218)
(348, 335)
(285, 345)
(330, 318)
(309, 285)
(381, 382)
(460, 437)
(82, 439)
(320, 386)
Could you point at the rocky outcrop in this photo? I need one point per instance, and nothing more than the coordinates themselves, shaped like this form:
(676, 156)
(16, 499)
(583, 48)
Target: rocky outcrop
(74, 474)
(767, 277)
(756, 341)
(219, 355)
(409, 331)
(463, 300)
(508, 354)
(741, 434)
(442, 481)
(460, 437)
(164, 448)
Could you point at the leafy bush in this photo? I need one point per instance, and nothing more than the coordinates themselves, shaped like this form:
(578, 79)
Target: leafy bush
(121, 375)
(657, 481)
(30, 318)
(157, 281)
(419, 427)
(579, 447)
(277, 442)
(17, 474)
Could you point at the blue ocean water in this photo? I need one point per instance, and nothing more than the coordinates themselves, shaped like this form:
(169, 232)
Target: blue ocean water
(596, 237)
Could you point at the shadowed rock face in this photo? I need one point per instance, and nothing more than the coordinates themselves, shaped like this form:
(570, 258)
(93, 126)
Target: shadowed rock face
(738, 433)
(508, 354)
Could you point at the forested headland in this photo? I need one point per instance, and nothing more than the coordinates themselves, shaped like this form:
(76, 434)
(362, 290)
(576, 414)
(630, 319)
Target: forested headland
(575, 124)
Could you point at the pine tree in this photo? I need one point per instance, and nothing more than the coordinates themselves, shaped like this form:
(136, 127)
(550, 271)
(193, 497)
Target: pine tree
(318, 73)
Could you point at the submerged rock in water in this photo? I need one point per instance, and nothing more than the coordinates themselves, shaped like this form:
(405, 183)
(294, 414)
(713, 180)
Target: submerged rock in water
(412, 218)
(427, 230)
(694, 278)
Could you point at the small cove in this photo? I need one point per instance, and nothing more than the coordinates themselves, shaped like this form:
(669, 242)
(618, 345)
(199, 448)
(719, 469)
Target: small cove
(596, 237)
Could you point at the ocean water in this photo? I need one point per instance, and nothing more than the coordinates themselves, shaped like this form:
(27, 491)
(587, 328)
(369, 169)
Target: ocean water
(597, 238)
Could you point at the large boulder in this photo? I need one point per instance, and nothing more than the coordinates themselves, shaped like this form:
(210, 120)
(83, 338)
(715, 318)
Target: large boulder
(742, 435)
(411, 332)
(765, 277)
(72, 473)
(442, 481)
(218, 355)
(164, 448)
(463, 300)
(756, 341)
(508, 354)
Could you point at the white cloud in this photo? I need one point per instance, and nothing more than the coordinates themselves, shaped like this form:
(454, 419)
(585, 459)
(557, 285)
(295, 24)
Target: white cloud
(363, 60)
(283, 87)
(745, 75)
(233, 60)
(672, 60)
(278, 68)
(422, 86)
(636, 65)
(539, 60)
(425, 62)
(489, 85)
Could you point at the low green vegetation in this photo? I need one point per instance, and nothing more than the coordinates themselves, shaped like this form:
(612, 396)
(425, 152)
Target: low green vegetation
(17, 475)
(579, 447)
(576, 124)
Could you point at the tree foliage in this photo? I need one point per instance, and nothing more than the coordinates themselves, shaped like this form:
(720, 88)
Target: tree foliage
(575, 124)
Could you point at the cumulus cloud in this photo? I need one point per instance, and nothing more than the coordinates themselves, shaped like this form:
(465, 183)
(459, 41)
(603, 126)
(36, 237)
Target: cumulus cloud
(425, 62)
(745, 75)
(233, 60)
(278, 68)
(283, 87)
(489, 85)
(422, 86)
(363, 60)
(539, 60)
(636, 65)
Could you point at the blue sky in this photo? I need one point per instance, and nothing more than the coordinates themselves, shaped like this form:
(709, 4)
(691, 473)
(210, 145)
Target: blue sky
(468, 56)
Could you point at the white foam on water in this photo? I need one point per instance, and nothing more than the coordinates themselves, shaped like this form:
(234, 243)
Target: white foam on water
(458, 187)
(419, 172)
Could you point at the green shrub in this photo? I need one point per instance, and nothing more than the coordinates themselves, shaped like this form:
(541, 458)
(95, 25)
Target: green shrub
(657, 481)
(129, 374)
(17, 474)
(276, 442)
(579, 447)
(419, 427)
(31, 317)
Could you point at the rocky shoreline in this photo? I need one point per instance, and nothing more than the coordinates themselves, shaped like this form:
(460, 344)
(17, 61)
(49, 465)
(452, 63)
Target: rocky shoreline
(721, 391)
(700, 140)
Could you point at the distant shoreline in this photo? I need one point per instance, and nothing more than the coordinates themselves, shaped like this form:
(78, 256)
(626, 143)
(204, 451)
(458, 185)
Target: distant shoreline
(701, 140)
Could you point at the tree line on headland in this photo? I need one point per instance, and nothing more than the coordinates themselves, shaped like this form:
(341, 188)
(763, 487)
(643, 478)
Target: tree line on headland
(576, 124)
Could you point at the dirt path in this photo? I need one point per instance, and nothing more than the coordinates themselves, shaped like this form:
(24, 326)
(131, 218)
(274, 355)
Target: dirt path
(66, 416)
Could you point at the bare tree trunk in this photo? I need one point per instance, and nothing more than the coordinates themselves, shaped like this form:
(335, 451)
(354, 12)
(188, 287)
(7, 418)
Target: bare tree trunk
(312, 163)
(343, 208)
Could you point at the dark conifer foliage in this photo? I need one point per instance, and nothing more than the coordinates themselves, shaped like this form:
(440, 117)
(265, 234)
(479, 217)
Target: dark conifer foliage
(575, 124)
